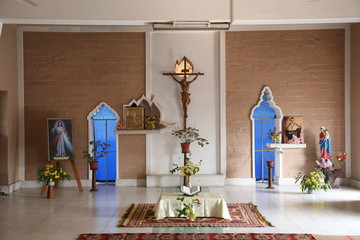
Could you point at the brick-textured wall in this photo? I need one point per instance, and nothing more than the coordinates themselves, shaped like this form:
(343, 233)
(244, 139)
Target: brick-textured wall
(355, 99)
(9, 110)
(67, 75)
(132, 156)
(305, 71)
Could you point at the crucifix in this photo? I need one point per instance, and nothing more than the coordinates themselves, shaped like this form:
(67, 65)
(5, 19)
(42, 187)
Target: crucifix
(184, 70)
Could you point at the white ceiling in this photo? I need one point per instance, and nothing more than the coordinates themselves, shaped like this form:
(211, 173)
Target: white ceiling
(140, 12)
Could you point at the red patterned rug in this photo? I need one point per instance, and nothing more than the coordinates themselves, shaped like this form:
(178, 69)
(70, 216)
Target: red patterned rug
(242, 214)
(194, 236)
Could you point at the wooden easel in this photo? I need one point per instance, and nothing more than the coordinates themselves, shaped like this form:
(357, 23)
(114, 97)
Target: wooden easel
(184, 73)
(76, 174)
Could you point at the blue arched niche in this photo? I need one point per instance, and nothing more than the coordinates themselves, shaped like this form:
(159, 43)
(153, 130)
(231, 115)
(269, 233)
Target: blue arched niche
(265, 116)
(104, 124)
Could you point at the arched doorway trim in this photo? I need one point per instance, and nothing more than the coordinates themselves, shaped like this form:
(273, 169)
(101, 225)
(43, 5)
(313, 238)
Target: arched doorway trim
(266, 95)
(91, 131)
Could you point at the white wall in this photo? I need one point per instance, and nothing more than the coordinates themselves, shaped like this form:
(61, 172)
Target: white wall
(138, 12)
(202, 48)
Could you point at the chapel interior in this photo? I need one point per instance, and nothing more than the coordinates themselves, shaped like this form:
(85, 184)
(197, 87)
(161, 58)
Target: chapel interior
(253, 67)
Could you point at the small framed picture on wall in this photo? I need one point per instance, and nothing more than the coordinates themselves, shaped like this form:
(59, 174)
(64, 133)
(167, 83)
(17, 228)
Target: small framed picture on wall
(293, 129)
(134, 118)
(60, 145)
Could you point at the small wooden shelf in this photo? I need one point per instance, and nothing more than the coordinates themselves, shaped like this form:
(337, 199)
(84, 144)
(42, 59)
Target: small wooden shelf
(285, 145)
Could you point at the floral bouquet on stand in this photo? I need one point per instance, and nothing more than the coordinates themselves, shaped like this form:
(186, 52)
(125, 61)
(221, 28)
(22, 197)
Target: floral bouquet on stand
(189, 168)
(274, 135)
(152, 121)
(187, 209)
(342, 157)
(49, 174)
(313, 181)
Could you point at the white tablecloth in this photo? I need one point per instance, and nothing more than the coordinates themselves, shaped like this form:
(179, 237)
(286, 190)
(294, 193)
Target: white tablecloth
(212, 205)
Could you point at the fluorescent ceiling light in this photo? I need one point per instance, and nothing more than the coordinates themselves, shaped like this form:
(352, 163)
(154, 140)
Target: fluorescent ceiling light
(191, 25)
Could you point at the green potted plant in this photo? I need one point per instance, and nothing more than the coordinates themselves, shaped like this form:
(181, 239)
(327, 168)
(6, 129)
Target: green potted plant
(187, 209)
(187, 136)
(312, 181)
(50, 174)
(98, 150)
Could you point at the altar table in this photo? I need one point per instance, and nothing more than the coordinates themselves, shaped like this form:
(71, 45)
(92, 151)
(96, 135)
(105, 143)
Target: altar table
(212, 205)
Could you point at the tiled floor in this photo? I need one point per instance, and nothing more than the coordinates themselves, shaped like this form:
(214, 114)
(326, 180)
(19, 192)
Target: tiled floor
(26, 215)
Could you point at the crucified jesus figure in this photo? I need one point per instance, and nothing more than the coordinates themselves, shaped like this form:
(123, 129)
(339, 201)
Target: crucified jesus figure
(185, 94)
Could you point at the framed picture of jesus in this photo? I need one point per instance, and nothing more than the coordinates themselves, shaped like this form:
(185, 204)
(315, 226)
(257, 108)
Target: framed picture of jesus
(60, 145)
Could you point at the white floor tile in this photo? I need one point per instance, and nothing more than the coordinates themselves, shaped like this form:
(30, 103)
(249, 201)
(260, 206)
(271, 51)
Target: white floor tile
(26, 215)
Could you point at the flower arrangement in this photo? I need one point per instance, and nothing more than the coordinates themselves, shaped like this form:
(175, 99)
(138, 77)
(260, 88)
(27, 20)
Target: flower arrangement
(188, 209)
(50, 173)
(189, 135)
(120, 125)
(273, 135)
(2, 194)
(312, 181)
(188, 169)
(152, 121)
(342, 157)
(97, 151)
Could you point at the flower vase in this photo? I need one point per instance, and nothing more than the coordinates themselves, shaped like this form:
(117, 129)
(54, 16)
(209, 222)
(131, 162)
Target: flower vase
(50, 190)
(187, 181)
(51, 184)
(310, 191)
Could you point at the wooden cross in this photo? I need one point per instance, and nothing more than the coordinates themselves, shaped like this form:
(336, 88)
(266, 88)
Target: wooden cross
(184, 74)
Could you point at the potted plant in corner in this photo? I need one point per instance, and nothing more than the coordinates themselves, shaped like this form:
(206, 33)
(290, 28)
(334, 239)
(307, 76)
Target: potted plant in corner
(187, 136)
(312, 181)
(98, 150)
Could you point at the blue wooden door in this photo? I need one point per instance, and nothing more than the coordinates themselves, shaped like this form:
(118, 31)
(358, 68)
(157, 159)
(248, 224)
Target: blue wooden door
(262, 153)
(264, 120)
(104, 125)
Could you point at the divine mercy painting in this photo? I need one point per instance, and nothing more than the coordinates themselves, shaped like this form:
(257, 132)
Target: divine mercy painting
(60, 139)
(293, 130)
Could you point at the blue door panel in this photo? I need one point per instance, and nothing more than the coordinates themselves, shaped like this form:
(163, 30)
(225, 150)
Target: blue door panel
(258, 166)
(112, 166)
(104, 125)
(111, 137)
(100, 130)
(258, 134)
(264, 121)
(101, 172)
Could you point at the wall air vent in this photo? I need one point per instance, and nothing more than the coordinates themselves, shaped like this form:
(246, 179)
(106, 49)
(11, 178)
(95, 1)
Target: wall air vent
(189, 25)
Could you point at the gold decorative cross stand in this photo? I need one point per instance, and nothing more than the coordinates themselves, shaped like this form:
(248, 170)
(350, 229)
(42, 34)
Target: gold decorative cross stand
(183, 71)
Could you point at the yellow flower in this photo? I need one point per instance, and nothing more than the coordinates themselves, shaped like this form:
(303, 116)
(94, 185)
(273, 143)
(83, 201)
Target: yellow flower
(192, 217)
